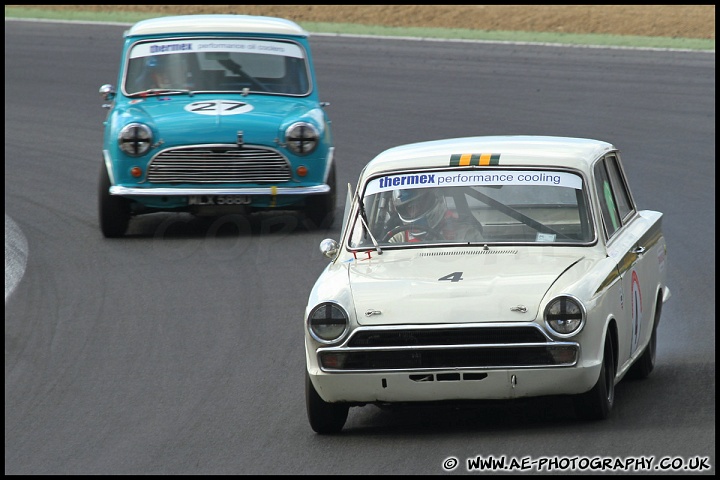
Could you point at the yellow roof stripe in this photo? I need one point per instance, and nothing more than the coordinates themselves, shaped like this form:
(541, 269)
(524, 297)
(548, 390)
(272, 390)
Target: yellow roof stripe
(474, 159)
(465, 159)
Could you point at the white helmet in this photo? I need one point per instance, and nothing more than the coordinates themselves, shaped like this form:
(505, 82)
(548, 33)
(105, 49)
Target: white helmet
(420, 207)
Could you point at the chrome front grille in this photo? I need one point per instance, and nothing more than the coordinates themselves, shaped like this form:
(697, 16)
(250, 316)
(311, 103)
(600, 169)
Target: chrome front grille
(219, 164)
(372, 349)
(446, 336)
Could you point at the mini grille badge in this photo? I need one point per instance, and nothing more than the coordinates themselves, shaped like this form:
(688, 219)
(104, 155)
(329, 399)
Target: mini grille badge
(240, 139)
(519, 308)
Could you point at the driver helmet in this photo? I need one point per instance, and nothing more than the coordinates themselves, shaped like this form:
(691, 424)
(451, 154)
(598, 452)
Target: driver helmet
(421, 207)
(154, 65)
(156, 69)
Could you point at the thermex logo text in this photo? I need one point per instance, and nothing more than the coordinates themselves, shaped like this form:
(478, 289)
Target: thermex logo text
(407, 180)
(170, 48)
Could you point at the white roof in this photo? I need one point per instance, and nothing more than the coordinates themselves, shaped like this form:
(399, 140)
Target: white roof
(503, 150)
(216, 24)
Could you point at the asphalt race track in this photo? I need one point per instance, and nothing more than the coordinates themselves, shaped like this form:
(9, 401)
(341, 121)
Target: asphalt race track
(179, 349)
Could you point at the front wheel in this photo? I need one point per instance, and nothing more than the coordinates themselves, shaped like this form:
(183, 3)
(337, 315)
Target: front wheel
(324, 417)
(114, 211)
(320, 209)
(646, 363)
(597, 403)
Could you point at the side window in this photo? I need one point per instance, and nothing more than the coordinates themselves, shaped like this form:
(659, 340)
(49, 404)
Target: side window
(608, 205)
(622, 195)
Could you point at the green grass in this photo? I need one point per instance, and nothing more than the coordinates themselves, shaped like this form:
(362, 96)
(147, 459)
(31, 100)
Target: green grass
(354, 29)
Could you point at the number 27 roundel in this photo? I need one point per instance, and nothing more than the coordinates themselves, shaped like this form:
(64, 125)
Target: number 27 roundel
(219, 107)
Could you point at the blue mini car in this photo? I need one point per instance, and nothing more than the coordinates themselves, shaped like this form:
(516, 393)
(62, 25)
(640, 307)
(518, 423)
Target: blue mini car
(215, 115)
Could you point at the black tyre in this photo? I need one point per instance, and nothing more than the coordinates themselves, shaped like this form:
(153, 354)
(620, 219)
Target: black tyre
(597, 403)
(320, 209)
(644, 365)
(114, 211)
(324, 417)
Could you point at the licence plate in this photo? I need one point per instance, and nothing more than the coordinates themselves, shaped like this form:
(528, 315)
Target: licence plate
(218, 200)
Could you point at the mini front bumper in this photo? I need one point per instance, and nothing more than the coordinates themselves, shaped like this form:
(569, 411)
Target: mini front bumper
(183, 191)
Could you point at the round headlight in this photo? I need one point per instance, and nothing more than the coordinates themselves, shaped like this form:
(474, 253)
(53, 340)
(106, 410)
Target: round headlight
(327, 322)
(302, 138)
(565, 315)
(135, 139)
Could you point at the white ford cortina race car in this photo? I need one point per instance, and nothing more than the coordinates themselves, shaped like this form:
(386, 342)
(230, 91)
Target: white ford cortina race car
(486, 268)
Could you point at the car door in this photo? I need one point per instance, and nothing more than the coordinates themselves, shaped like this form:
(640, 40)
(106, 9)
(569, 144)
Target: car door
(632, 238)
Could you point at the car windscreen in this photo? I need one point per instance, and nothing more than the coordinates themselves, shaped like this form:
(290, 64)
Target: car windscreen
(217, 65)
(479, 206)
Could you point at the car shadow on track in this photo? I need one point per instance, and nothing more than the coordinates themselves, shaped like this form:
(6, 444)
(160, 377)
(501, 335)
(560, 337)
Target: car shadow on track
(461, 417)
(636, 408)
(185, 225)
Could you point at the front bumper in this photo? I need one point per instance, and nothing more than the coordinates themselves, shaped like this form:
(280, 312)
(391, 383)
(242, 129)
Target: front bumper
(452, 385)
(181, 191)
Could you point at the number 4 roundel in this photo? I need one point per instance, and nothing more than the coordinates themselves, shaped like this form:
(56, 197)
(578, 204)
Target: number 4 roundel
(452, 277)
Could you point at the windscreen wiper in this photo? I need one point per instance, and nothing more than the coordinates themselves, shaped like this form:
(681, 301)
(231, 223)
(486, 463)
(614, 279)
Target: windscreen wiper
(161, 91)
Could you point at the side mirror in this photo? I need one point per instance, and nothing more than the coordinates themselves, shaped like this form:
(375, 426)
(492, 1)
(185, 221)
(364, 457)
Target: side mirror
(107, 92)
(329, 247)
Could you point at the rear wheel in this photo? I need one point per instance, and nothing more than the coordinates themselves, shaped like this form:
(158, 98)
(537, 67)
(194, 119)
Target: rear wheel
(114, 211)
(646, 363)
(598, 402)
(324, 417)
(320, 209)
